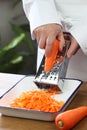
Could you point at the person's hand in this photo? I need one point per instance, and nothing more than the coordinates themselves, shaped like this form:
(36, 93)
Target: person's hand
(74, 47)
(46, 35)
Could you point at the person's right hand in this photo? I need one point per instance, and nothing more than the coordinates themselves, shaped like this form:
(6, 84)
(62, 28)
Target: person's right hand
(46, 35)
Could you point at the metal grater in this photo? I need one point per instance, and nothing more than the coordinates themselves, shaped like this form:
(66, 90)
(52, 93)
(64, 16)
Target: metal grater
(57, 74)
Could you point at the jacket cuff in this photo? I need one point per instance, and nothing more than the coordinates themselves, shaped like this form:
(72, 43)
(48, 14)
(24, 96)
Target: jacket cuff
(41, 13)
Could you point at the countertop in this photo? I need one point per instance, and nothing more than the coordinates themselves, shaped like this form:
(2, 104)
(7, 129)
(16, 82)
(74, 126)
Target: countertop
(13, 123)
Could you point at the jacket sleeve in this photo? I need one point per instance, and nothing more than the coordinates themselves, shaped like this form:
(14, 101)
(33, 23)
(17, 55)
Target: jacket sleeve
(40, 12)
(79, 32)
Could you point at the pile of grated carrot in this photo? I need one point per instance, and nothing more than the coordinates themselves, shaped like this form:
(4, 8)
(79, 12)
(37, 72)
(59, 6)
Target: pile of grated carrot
(38, 100)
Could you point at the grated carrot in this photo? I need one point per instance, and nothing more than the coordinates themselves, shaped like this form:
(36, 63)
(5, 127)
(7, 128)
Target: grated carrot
(53, 90)
(37, 100)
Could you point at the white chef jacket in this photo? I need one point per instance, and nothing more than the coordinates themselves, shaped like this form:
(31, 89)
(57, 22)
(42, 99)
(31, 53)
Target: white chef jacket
(71, 14)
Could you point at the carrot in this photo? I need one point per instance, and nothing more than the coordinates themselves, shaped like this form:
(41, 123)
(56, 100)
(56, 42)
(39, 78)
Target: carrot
(37, 100)
(68, 119)
(49, 61)
(53, 90)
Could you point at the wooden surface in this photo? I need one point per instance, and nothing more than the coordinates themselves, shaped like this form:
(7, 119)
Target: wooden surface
(11, 123)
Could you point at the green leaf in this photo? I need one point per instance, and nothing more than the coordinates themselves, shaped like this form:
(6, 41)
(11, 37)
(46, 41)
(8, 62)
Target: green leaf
(16, 41)
(26, 40)
(16, 60)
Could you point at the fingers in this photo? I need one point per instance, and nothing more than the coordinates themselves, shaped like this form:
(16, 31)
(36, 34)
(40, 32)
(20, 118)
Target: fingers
(62, 41)
(49, 44)
(46, 35)
(40, 37)
(42, 42)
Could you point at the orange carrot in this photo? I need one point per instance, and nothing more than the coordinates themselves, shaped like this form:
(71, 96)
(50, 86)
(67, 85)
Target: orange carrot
(53, 90)
(49, 61)
(37, 100)
(68, 119)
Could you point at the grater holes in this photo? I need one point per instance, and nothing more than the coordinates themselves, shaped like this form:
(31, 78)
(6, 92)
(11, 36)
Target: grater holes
(55, 78)
(50, 77)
